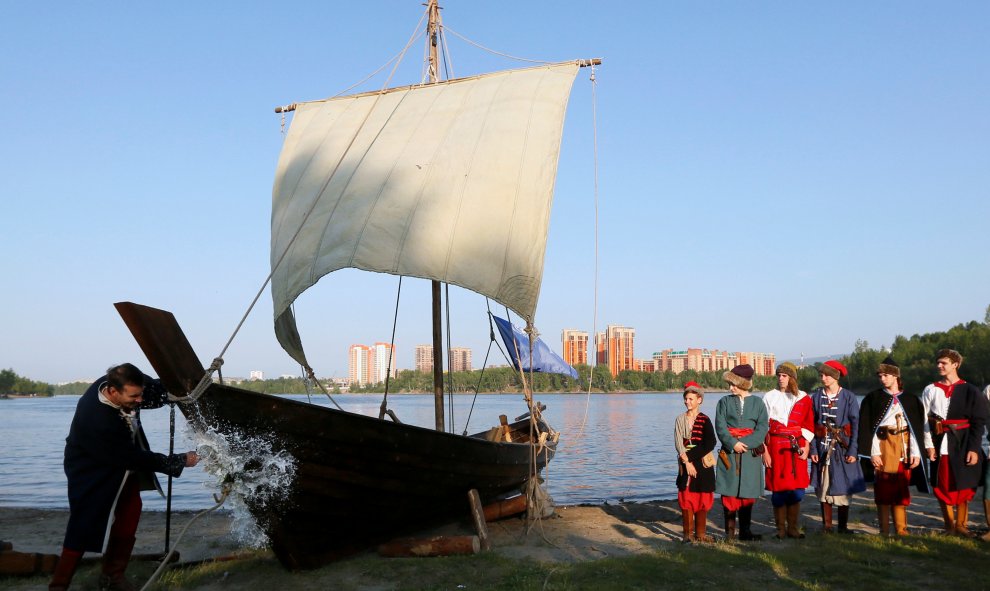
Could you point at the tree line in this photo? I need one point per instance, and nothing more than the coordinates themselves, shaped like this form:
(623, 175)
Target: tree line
(11, 383)
(915, 355)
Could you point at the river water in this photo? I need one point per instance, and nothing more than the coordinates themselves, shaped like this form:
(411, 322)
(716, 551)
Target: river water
(613, 446)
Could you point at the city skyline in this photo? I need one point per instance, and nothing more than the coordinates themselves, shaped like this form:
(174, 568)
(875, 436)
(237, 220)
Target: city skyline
(769, 157)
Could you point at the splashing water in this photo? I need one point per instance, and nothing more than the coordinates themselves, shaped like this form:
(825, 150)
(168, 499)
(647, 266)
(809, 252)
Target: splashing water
(255, 473)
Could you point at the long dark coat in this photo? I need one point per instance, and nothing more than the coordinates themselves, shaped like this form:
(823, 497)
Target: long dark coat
(871, 412)
(743, 477)
(967, 402)
(99, 451)
(705, 481)
(844, 479)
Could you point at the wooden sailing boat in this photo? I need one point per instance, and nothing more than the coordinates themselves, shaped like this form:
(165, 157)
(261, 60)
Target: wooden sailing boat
(449, 181)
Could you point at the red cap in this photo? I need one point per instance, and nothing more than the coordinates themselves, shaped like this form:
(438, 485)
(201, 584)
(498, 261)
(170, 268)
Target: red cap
(837, 367)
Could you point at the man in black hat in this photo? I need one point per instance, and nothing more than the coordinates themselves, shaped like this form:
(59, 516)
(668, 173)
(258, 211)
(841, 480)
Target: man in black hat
(891, 424)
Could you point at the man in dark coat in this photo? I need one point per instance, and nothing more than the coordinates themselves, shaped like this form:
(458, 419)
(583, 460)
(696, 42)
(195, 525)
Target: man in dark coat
(891, 425)
(957, 413)
(107, 463)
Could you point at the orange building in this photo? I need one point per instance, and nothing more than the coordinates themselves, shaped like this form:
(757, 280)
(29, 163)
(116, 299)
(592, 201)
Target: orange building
(574, 344)
(616, 348)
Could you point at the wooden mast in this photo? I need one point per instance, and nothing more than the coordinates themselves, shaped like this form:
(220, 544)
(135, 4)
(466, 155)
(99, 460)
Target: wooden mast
(433, 39)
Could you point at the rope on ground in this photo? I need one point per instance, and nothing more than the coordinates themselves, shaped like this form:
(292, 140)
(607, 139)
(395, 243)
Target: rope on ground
(161, 568)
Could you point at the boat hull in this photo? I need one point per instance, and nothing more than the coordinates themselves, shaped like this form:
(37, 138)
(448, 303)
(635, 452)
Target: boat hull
(358, 480)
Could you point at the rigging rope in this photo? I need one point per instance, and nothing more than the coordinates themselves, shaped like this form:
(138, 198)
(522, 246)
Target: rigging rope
(383, 410)
(594, 321)
(450, 365)
(207, 378)
(480, 46)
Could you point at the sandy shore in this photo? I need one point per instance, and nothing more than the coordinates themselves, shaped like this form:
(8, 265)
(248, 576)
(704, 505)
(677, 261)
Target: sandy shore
(575, 533)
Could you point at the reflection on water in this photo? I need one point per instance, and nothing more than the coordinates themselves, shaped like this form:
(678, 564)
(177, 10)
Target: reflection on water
(612, 446)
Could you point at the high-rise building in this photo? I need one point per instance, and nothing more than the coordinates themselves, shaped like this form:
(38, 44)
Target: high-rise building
(424, 358)
(574, 344)
(256, 374)
(381, 362)
(460, 359)
(615, 348)
(359, 364)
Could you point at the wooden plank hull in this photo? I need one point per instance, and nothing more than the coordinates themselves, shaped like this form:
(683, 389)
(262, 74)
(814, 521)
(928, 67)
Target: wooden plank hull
(359, 481)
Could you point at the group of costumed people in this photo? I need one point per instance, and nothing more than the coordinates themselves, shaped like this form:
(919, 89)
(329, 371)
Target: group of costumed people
(790, 440)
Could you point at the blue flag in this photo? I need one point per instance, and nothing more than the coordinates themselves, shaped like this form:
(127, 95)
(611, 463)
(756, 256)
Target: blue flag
(544, 360)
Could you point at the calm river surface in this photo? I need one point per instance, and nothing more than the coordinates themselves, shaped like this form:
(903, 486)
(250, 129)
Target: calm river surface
(624, 450)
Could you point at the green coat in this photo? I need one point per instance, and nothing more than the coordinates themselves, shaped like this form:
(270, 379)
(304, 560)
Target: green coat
(744, 476)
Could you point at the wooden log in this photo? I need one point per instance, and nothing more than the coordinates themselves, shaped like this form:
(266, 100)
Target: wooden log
(435, 546)
(478, 517)
(27, 563)
(506, 508)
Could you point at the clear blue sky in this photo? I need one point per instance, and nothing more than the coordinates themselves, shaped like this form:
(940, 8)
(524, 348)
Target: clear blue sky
(774, 176)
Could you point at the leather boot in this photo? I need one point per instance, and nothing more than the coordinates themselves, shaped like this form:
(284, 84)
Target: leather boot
(780, 518)
(883, 518)
(900, 519)
(700, 524)
(962, 517)
(66, 567)
(115, 561)
(826, 518)
(688, 517)
(730, 523)
(986, 515)
(745, 519)
(949, 517)
(844, 520)
(793, 515)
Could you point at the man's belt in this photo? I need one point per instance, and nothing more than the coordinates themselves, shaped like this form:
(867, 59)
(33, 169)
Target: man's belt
(955, 424)
(885, 432)
(821, 430)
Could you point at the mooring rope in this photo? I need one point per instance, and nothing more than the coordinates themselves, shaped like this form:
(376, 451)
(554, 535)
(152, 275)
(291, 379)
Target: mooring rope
(225, 492)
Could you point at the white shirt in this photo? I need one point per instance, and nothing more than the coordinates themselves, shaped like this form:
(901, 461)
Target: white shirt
(890, 420)
(935, 401)
(779, 406)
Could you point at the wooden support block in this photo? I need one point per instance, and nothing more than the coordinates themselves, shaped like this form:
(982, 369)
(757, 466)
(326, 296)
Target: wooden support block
(506, 508)
(435, 546)
(27, 563)
(478, 517)
(506, 430)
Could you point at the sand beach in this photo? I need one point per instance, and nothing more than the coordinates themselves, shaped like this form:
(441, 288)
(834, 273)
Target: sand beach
(574, 534)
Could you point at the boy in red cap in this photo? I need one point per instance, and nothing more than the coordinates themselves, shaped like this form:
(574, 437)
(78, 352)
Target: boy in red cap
(836, 473)
(956, 413)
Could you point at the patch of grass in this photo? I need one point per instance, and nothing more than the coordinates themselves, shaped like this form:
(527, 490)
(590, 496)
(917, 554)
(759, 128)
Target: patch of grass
(817, 563)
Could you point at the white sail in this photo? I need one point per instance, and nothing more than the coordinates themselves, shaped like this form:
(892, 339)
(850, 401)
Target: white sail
(450, 181)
